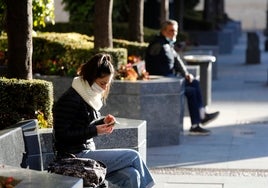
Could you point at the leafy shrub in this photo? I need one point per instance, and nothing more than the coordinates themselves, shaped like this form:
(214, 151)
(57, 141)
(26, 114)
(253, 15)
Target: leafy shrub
(120, 30)
(60, 53)
(63, 53)
(133, 48)
(22, 99)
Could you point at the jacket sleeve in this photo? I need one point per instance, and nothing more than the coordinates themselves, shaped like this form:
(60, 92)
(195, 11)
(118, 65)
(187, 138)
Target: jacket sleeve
(72, 121)
(179, 66)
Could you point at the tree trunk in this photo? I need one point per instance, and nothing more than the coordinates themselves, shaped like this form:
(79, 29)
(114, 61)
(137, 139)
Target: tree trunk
(164, 10)
(103, 24)
(220, 9)
(209, 12)
(135, 24)
(19, 32)
(179, 12)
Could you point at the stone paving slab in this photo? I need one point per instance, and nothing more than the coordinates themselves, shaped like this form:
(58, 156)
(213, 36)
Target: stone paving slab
(193, 181)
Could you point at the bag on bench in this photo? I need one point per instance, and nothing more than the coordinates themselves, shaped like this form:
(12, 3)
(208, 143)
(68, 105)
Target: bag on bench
(92, 172)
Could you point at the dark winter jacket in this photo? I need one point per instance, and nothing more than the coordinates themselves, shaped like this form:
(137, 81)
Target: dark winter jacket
(74, 123)
(162, 59)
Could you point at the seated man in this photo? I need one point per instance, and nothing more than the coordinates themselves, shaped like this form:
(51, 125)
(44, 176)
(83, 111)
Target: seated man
(162, 59)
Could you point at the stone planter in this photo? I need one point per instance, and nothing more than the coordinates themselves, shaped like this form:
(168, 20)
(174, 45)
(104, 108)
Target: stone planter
(60, 84)
(159, 101)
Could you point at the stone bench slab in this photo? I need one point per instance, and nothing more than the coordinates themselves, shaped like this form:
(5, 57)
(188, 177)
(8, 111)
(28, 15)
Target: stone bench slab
(130, 133)
(32, 178)
(12, 146)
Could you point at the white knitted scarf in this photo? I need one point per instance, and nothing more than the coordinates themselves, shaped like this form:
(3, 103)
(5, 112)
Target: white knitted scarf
(85, 91)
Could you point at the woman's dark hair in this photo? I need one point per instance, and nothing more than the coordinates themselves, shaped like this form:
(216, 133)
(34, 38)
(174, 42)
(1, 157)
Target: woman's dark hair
(99, 66)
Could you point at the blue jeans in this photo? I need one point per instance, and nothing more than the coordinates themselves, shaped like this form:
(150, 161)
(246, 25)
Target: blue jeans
(194, 99)
(125, 168)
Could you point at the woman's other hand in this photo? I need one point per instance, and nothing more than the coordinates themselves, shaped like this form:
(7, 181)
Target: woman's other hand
(104, 129)
(108, 126)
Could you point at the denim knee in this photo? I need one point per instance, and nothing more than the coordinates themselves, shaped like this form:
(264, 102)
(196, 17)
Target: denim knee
(127, 177)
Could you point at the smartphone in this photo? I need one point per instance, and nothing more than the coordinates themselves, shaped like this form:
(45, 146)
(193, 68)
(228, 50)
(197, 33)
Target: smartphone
(112, 123)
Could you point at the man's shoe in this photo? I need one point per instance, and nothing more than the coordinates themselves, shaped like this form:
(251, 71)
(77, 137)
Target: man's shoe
(209, 117)
(199, 131)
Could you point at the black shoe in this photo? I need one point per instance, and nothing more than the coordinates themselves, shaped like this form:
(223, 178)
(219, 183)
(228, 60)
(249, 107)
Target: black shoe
(209, 117)
(199, 131)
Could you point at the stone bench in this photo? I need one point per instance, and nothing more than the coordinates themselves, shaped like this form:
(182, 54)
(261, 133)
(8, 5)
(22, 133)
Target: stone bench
(33, 178)
(12, 146)
(130, 133)
(20, 146)
(25, 137)
(27, 169)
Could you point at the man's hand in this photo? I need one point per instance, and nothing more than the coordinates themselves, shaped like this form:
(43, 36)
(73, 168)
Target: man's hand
(189, 77)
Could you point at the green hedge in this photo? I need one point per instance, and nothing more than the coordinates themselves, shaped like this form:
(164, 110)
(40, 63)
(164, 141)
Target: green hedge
(22, 99)
(120, 30)
(60, 53)
(63, 53)
(133, 48)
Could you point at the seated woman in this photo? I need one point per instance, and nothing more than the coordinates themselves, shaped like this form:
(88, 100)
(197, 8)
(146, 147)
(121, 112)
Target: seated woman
(77, 121)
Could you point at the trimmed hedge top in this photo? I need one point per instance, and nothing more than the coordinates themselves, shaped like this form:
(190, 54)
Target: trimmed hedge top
(25, 99)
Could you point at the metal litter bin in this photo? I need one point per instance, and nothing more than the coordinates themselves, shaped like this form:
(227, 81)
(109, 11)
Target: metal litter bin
(205, 64)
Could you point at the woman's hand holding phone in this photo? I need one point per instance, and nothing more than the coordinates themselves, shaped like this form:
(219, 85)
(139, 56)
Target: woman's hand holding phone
(110, 120)
(112, 123)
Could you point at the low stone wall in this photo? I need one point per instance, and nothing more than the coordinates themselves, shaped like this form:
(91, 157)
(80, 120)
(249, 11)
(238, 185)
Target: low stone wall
(60, 84)
(159, 101)
(224, 38)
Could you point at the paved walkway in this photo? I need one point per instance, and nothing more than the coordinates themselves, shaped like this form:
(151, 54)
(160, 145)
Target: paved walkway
(235, 154)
